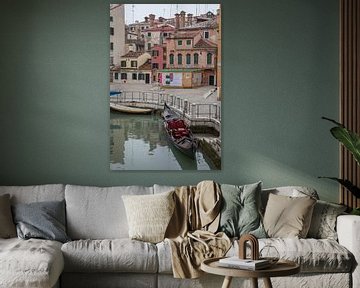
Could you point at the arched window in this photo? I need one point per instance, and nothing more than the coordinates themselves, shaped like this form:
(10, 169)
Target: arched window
(171, 59)
(196, 58)
(179, 59)
(209, 58)
(188, 59)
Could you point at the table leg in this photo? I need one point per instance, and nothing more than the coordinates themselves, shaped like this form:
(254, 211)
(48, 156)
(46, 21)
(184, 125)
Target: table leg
(267, 283)
(227, 282)
(254, 282)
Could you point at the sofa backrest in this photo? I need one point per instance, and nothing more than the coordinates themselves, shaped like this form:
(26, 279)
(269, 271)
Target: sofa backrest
(36, 193)
(98, 212)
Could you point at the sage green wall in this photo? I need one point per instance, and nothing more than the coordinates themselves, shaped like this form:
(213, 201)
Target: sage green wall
(280, 75)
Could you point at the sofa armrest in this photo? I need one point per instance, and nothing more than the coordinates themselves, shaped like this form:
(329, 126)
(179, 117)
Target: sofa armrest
(348, 230)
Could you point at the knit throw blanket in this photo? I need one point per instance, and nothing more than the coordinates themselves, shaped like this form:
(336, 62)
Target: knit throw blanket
(191, 232)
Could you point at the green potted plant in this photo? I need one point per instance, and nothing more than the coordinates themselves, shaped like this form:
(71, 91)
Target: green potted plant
(351, 141)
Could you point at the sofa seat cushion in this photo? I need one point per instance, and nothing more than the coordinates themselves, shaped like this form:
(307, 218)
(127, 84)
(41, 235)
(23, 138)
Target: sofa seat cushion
(313, 255)
(115, 255)
(30, 263)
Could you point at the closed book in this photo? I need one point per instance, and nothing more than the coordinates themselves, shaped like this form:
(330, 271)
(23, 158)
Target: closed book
(236, 262)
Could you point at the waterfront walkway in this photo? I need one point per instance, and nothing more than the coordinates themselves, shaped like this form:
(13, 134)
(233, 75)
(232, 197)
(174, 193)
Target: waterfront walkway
(198, 106)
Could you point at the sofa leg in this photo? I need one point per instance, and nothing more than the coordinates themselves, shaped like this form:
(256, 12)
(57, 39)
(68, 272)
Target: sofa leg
(267, 282)
(227, 282)
(254, 282)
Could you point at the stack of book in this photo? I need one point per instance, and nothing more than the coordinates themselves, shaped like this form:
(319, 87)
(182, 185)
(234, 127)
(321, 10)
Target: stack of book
(248, 264)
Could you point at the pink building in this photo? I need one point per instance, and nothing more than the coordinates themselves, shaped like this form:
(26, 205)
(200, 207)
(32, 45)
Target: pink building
(158, 61)
(190, 55)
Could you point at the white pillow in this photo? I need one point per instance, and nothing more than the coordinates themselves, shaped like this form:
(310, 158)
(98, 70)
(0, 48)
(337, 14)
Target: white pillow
(149, 215)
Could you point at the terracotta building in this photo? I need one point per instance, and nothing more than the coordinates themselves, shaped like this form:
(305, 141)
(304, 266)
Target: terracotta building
(191, 60)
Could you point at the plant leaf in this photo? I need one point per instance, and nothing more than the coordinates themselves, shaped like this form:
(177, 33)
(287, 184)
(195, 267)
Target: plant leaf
(333, 121)
(347, 184)
(349, 139)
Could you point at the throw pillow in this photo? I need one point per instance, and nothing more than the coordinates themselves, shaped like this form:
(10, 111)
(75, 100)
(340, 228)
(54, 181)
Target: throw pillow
(44, 220)
(323, 222)
(288, 217)
(240, 210)
(7, 226)
(149, 215)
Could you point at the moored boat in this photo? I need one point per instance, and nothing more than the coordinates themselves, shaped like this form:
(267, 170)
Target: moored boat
(178, 132)
(129, 109)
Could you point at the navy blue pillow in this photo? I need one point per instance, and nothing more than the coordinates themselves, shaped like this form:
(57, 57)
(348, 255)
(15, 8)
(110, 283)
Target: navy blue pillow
(43, 220)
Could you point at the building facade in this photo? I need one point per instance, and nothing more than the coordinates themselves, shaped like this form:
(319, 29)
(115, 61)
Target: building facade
(132, 68)
(117, 33)
(193, 57)
(183, 51)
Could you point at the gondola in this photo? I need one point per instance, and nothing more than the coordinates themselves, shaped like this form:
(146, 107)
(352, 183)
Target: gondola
(178, 132)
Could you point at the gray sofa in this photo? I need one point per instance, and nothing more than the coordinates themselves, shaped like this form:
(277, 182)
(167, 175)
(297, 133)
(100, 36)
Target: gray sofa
(101, 254)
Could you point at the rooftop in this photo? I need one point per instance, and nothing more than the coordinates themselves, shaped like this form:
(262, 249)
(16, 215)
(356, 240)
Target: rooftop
(209, 24)
(184, 34)
(132, 54)
(145, 66)
(205, 43)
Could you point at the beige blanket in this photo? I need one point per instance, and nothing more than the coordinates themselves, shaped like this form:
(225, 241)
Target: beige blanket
(191, 231)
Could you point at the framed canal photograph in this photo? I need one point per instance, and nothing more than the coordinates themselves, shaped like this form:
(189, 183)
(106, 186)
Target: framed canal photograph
(165, 87)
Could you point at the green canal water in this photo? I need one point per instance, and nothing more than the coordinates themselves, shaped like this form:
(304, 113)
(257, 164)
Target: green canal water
(139, 142)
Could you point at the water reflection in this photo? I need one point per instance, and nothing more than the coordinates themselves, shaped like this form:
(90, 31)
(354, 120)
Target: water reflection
(139, 142)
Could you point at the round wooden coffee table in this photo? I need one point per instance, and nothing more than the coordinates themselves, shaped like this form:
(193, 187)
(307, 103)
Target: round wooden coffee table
(281, 268)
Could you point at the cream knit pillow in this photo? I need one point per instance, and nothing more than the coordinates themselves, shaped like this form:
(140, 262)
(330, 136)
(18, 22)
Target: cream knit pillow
(149, 215)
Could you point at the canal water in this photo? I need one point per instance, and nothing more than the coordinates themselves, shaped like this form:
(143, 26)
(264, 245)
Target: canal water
(139, 142)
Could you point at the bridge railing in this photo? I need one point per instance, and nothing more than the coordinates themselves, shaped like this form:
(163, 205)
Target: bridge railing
(193, 111)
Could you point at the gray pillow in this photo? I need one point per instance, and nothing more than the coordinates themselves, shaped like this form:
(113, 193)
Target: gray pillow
(240, 210)
(44, 220)
(323, 222)
(7, 227)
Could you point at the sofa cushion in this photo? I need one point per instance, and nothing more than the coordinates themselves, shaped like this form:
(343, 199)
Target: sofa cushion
(36, 193)
(287, 216)
(149, 215)
(116, 255)
(291, 191)
(313, 255)
(98, 213)
(323, 222)
(43, 220)
(240, 210)
(30, 263)
(7, 226)
(163, 188)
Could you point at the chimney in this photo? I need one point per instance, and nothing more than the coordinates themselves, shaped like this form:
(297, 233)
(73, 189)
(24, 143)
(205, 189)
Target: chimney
(146, 19)
(152, 19)
(177, 21)
(182, 19)
(189, 19)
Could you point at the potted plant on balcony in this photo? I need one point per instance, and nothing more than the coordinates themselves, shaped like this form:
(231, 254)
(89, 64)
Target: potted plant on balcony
(351, 141)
